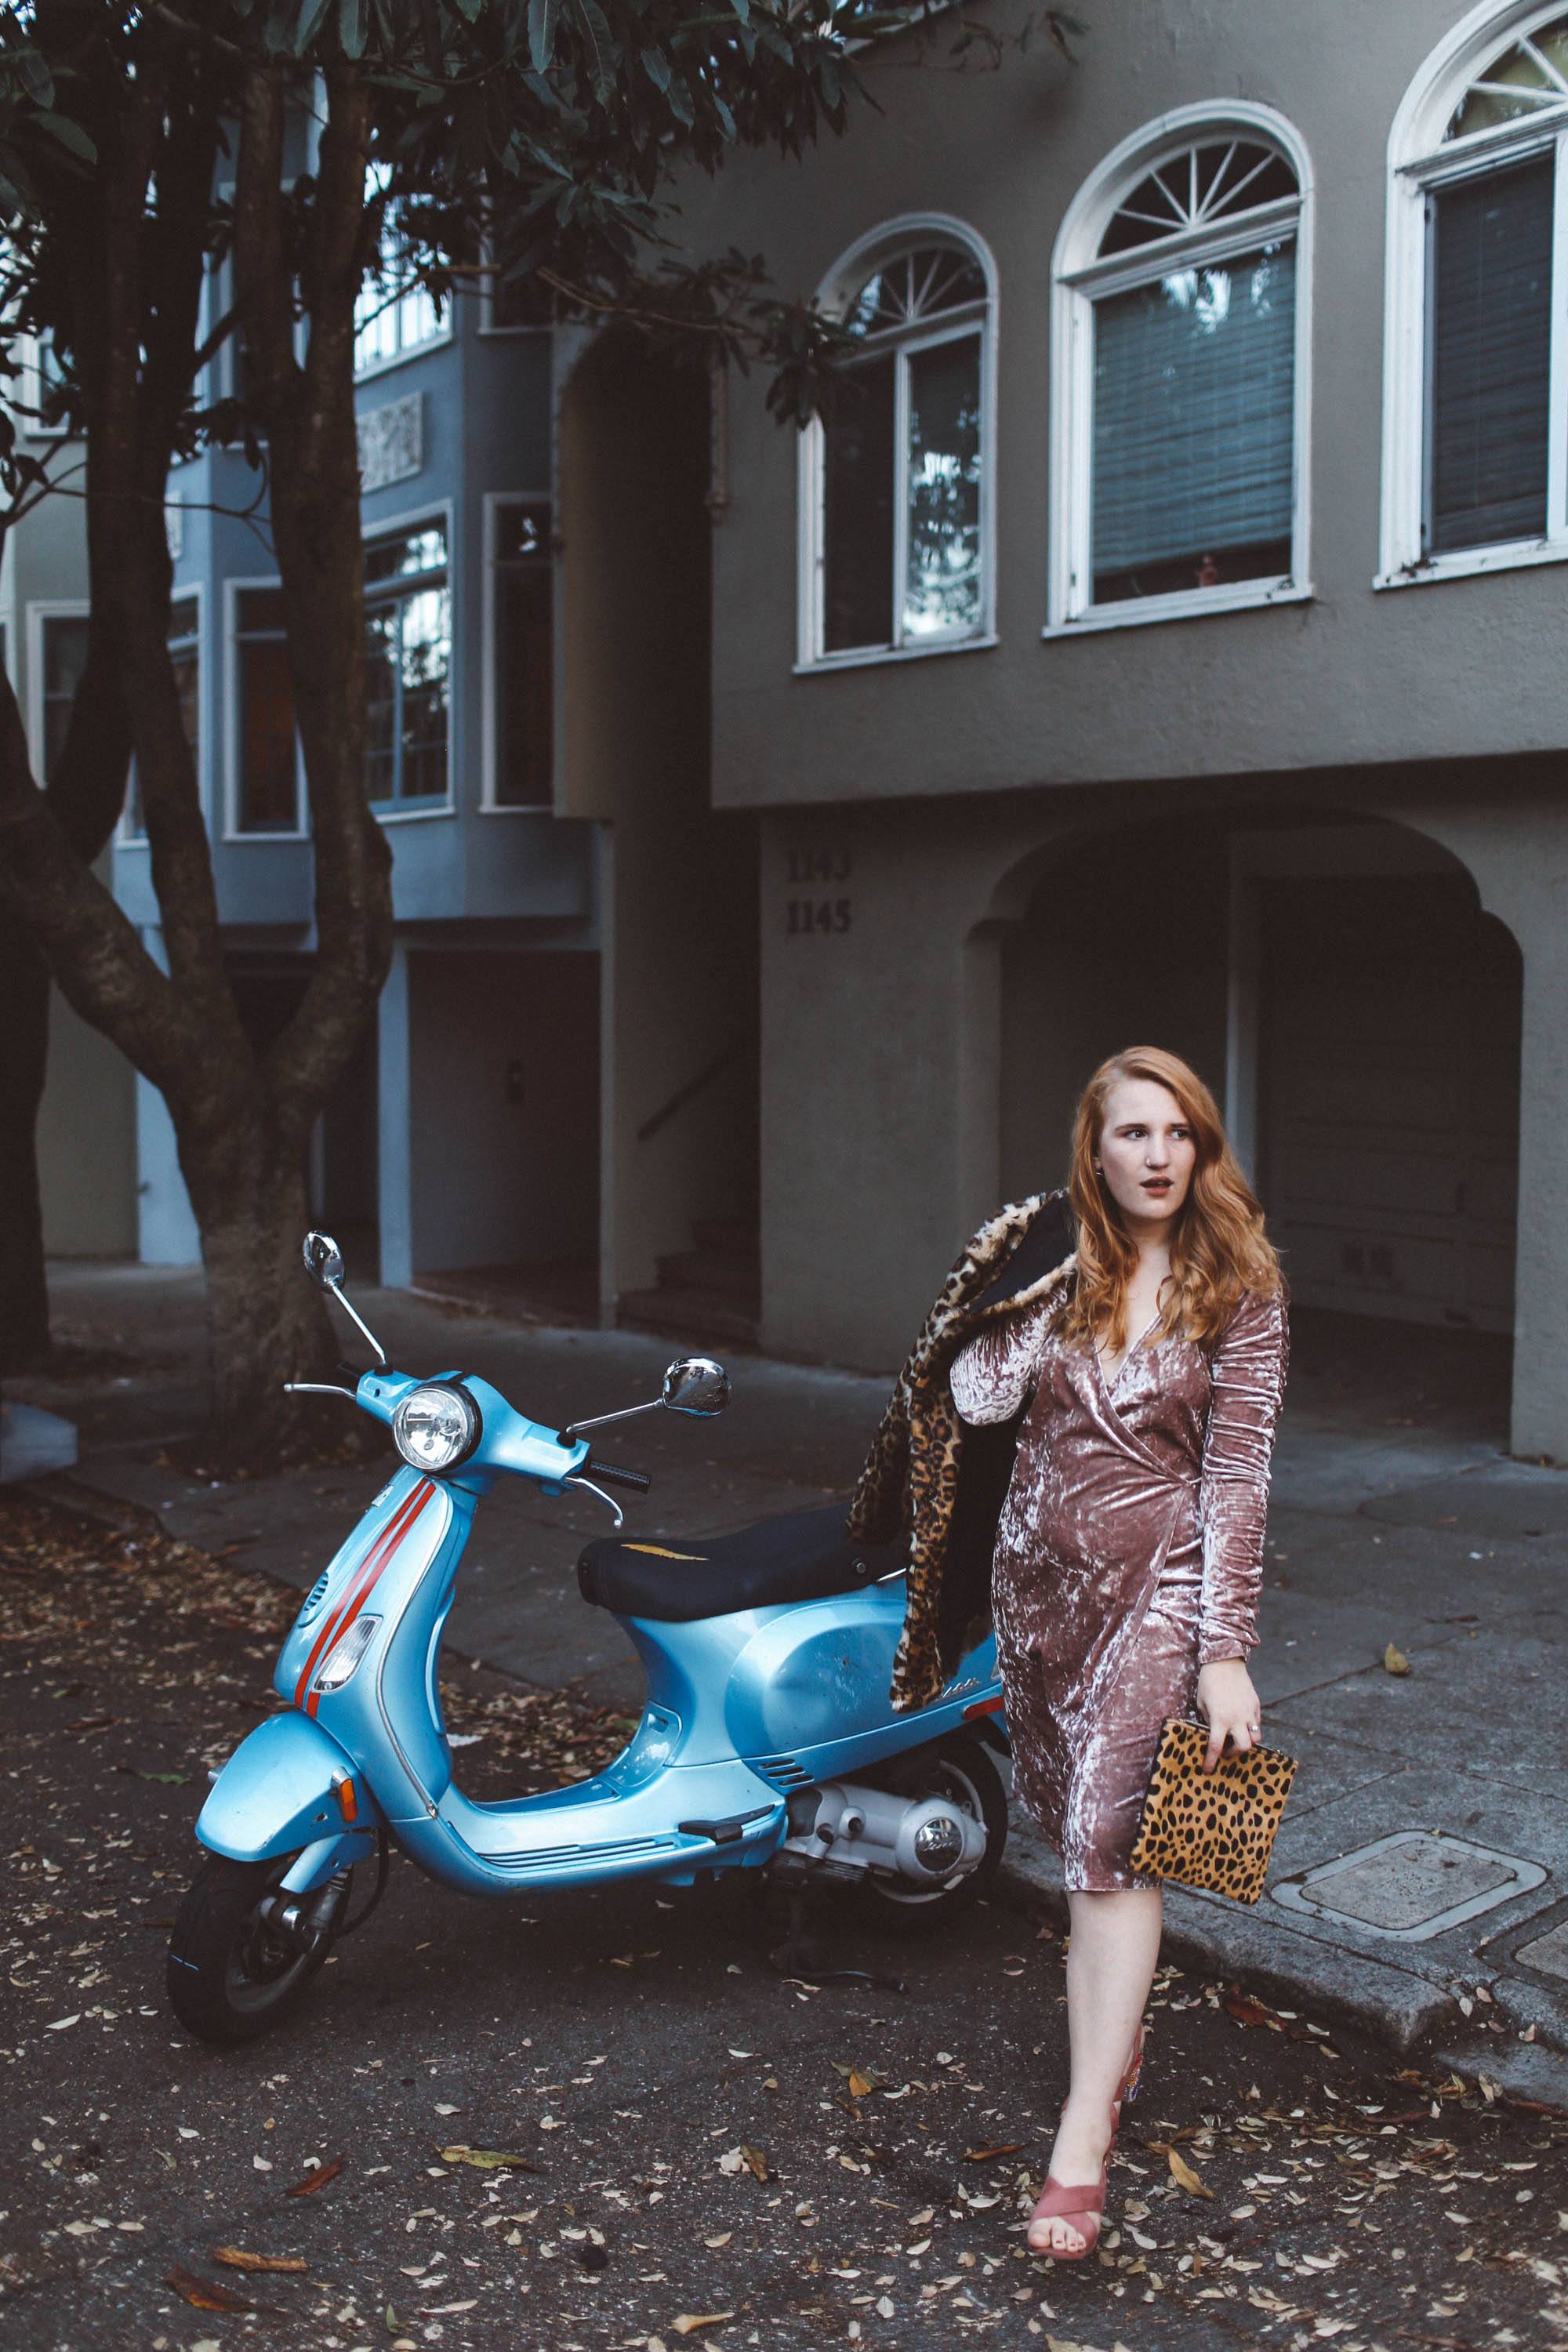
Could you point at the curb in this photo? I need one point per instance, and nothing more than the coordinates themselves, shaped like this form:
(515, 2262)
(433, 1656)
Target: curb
(1276, 1961)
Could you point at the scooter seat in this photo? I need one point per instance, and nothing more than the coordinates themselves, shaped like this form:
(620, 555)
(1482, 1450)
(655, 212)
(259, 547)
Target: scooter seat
(800, 1556)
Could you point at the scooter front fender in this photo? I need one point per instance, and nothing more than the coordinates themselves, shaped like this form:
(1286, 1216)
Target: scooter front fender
(278, 1791)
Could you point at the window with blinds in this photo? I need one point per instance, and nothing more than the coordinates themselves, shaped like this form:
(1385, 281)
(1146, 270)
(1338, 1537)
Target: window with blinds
(1177, 473)
(1195, 410)
(1491, 357)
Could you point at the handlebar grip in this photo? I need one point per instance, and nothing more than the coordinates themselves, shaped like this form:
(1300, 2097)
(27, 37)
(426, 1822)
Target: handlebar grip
(637, 1480)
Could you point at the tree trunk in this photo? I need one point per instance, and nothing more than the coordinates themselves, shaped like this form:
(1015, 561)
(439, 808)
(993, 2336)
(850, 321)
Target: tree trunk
(266, 1322)
(24, 1054)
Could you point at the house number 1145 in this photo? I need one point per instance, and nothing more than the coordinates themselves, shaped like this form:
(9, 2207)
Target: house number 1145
(814, 917)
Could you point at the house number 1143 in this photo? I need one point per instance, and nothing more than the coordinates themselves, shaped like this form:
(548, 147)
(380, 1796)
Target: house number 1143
(813, 917)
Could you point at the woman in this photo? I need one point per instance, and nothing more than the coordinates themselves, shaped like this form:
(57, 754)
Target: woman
(1129, 1553)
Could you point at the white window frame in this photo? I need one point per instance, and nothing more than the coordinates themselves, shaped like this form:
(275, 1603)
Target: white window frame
(1419, 162)
(1078, 278)
(488, 324)
(41, 609)
(125, 836)
(393, 527)
(33, 348)
(232, 590)
(445, 328)
(851, 268)
(491, 506)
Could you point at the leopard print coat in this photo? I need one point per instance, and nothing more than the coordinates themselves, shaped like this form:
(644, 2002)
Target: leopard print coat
(932, 1480)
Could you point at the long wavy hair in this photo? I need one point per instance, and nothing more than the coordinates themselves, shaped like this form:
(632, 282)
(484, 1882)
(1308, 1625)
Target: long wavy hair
(1219, 1252)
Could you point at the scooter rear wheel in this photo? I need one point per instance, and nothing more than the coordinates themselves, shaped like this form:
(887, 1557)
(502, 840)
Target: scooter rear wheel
(960, 1770)
(230, 1976)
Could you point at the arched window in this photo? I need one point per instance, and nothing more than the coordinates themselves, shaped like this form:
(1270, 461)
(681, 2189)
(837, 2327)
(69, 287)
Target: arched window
(1180, 351)
(896, 481)
(1476, 369)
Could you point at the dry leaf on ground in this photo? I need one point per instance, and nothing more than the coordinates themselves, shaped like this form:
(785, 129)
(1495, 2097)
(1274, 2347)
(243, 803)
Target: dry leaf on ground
(1182, 2171)
(206, 2295)
(238, 2259)
(317, 2178)
(486, 2159)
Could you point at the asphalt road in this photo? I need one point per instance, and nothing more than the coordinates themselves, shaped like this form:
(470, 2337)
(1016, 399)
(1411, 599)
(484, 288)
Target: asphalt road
(707, 2150)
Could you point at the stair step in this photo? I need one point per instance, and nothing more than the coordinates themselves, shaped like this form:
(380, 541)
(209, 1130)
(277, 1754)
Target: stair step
(728, 1237)
(703, 1317)
(733, 1278)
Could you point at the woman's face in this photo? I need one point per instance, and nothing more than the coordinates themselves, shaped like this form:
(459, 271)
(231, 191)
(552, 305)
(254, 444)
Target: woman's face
(1147, 1152)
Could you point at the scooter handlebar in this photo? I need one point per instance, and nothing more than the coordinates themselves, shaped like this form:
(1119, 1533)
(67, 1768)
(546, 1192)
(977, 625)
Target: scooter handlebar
(637, 1480)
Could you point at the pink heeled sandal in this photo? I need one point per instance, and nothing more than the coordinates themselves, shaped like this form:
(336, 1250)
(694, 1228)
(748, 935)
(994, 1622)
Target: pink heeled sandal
(1083, 2202)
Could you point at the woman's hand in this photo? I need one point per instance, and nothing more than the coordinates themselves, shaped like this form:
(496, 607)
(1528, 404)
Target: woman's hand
(1229, 1705)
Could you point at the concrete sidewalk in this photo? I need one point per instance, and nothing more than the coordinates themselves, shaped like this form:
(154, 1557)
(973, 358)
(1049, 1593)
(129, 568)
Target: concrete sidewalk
(1422, 1861)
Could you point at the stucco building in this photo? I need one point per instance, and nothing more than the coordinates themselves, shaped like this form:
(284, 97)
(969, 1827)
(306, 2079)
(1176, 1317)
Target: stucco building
(1161, 641)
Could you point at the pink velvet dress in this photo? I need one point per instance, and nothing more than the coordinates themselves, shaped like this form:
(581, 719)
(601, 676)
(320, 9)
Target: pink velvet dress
(1129, 1552)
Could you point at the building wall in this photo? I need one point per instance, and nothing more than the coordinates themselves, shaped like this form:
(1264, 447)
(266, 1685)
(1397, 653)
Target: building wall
(679, 883)
(1446, 671)
(86, 1133)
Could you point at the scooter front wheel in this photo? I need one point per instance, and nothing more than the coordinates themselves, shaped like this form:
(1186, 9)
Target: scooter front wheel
(231, 1976)
(961, 1771)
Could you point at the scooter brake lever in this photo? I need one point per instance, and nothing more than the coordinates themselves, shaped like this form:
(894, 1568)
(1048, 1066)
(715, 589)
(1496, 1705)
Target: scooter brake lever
(593, 1490)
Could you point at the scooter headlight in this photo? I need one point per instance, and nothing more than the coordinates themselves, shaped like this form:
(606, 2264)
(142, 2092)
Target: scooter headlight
(435, 1428)
(343, 1657)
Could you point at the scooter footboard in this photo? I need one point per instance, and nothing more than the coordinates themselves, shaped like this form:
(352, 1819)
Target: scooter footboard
(284, 1787)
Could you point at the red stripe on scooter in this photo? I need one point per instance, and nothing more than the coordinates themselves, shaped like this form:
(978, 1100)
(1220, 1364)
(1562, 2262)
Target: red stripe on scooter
(374, 1570)
(408, 1512)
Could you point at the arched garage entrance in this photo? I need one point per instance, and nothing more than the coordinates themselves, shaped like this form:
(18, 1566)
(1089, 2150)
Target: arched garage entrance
(1353, 1007)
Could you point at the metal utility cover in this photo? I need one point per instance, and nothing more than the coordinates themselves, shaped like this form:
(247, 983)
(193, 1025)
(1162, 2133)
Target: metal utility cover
(1548, 1952)
(1411, 1886)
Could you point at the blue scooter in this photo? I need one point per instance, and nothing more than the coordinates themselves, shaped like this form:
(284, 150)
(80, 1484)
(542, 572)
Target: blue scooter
(766, 1743)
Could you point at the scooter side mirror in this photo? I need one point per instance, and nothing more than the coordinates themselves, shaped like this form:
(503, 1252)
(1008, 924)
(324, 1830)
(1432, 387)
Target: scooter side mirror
(696, 1384)
(323, 1259)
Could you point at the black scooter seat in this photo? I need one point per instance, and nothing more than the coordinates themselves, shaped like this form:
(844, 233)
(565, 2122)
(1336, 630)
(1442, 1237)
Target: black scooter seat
(799, 1556)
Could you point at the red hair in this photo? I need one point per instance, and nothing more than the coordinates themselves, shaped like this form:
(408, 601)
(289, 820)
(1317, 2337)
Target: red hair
(1219, 1252)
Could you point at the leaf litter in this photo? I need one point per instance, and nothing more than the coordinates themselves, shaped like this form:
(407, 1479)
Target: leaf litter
(1322, 2184)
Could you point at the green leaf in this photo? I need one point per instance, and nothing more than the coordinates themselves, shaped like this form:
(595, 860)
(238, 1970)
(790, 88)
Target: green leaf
(308, 23)
(680, 102)
(742, 9)
(726, 120)
(600, 48)
(70, 134)
(352, 26)
(543, 16)
(655, 65)
(36, 79)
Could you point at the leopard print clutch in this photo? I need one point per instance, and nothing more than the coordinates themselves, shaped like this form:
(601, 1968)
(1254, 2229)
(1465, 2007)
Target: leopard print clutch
(1211, 1829)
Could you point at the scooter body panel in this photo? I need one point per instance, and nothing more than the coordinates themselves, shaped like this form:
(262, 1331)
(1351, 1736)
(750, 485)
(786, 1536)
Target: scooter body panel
(740, 1710)
(278, 1791)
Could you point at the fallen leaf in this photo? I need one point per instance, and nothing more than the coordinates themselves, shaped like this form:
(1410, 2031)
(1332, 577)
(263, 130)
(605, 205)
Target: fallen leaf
(721, 2238)
(238, 2259)
(690, 2322)
(317, 2178)
(759, 2165)
(1395, 1661)
(486, 2159)
(860, 2088)
(1250, 2012)
(1182, 2171)
(983, 2155)
(205, 2294)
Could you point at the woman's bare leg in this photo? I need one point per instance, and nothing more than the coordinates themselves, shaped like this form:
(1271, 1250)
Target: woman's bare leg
(1112, 1957)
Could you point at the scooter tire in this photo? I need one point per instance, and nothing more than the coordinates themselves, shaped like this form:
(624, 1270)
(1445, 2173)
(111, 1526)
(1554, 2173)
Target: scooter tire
(962, 1760)
(228, 1980)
